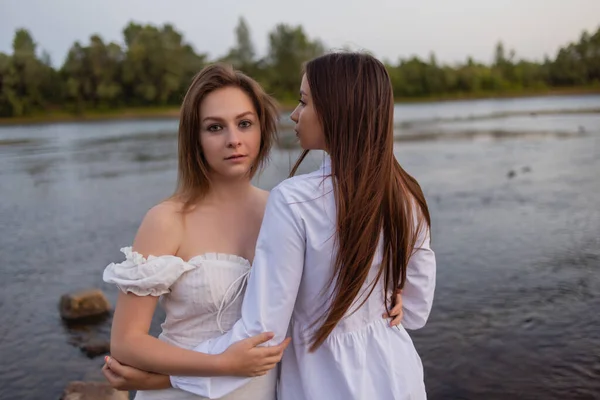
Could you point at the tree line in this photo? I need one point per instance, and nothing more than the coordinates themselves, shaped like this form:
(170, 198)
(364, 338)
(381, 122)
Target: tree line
(154, 67)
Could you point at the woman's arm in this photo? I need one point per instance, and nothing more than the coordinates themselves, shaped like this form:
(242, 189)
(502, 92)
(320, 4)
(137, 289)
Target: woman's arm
(132, 345)
(419, 287)
(123, 377)
(270, 295)
(160, 234)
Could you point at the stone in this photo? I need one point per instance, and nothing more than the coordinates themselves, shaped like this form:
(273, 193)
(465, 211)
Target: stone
(83, 304)
(79, 390)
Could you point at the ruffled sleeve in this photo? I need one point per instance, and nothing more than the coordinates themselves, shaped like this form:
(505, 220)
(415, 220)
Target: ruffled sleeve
(145, 276)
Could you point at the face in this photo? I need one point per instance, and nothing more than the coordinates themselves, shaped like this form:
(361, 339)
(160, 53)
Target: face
(230, 132)
(308, 127)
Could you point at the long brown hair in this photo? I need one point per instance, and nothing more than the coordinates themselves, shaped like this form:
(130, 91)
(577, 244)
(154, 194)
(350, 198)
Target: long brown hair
(193, 179)
(353, 98)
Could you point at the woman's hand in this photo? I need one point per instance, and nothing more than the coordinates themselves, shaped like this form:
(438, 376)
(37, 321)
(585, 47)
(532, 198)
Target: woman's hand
(396, 312)
(123, 377)
(245, 358)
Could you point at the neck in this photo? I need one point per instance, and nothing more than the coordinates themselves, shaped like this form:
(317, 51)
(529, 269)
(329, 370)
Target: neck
(228, 191)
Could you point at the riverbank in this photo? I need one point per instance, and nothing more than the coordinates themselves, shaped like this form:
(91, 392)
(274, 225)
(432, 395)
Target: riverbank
(149, 113)
(94, 115)
(516, 94)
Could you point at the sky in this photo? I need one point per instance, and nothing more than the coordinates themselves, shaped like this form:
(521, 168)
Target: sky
(389, 29)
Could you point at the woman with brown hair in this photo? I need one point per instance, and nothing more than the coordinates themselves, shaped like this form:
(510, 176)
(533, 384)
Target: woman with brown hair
(334, 247)
(192, 251)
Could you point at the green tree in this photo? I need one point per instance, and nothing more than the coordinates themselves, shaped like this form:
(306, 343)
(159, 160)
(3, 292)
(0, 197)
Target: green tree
(289, 48)
(92, 74)
(242, 54)
(193, 63)
(26, 81)
(154, 63)
(6, 93)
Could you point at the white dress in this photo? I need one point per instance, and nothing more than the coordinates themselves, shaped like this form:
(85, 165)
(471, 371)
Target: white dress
(363, 358)
(201, 298)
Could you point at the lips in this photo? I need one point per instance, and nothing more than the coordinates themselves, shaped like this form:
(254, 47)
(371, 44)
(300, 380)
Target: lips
(235, 157)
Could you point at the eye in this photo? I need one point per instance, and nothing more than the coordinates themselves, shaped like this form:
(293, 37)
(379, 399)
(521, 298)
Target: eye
(245, 124)
(301, 102)
(214, 128)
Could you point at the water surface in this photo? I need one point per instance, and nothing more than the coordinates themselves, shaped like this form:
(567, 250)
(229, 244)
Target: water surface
(516, 230)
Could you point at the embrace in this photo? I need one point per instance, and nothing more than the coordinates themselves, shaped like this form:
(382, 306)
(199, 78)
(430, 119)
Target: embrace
(302, 293)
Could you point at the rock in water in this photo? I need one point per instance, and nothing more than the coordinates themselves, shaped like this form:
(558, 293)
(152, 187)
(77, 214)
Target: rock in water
(92, 391)
(84, 304)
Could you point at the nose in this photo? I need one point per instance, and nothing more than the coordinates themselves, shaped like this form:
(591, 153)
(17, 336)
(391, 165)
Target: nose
(294, 115)
(233, 139)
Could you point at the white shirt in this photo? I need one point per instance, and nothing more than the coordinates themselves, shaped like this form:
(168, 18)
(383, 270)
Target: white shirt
(288, 287)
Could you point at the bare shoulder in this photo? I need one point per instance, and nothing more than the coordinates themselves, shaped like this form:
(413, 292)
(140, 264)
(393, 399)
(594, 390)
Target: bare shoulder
(164, 216)
(161, 230)
(262, 196)
(259, 201)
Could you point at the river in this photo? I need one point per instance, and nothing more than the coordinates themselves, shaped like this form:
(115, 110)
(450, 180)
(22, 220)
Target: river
(513, 187)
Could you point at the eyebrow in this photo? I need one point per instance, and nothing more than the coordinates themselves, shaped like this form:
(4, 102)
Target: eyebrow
(303, 93)
(237, 116)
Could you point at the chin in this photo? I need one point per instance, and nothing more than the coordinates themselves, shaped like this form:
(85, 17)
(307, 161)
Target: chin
(308, 147)
(304, 145)
(236, 173)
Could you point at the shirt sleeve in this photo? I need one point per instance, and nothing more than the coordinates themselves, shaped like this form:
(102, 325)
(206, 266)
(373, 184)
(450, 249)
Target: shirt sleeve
(419, 287)
(270, 295)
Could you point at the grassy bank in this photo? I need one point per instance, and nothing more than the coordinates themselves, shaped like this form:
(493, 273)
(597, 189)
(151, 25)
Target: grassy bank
(173, 112)
(94, 115)
(502, 95)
